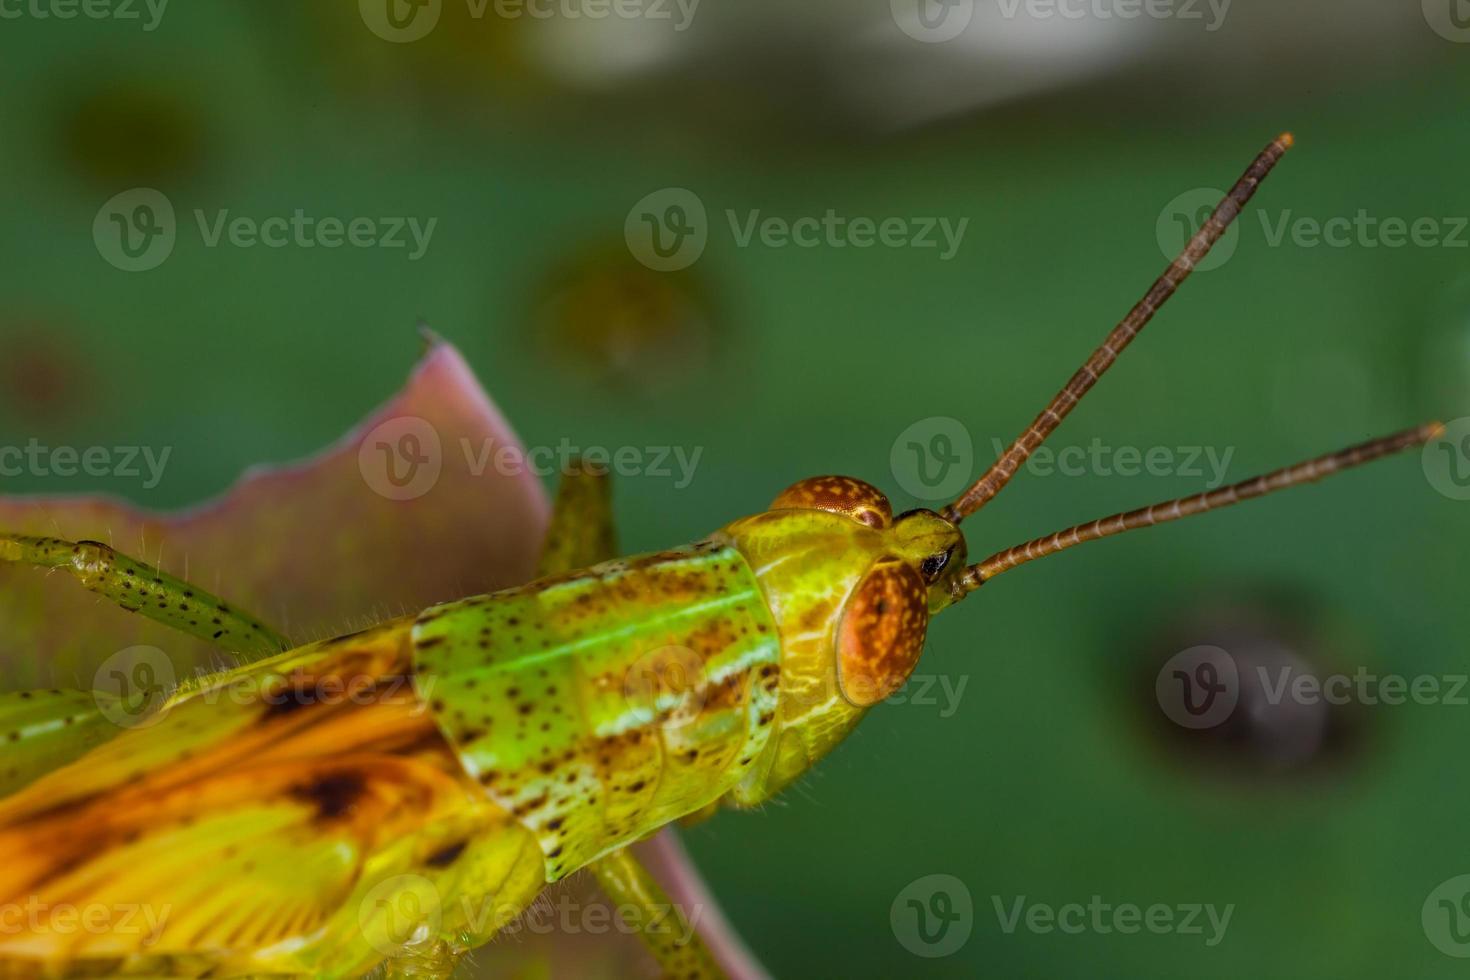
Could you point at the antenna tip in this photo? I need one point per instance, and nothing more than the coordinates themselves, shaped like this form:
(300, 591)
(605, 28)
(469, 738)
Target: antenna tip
(1286, 140)
(1433, 430)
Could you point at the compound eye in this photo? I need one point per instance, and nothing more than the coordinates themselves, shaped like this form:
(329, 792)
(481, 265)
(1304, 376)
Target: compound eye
(847, 495)
(881, 633)
(932, 566)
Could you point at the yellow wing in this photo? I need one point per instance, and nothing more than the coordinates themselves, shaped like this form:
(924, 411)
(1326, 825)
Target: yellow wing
(234, 824)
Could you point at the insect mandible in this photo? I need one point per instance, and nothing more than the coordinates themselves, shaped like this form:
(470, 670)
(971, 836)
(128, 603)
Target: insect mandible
(502, 742)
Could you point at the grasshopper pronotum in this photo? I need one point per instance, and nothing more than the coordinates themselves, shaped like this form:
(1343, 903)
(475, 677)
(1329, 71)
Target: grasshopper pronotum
(496, 743)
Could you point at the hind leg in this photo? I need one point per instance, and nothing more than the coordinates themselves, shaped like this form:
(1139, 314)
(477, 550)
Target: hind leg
(147, 591)
(43, 730)
(581, 531)
(665, 928)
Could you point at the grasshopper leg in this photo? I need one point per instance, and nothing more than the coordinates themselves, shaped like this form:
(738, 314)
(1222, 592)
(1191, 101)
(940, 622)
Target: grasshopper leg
(664, 927)
(581, 531)
(148, 591)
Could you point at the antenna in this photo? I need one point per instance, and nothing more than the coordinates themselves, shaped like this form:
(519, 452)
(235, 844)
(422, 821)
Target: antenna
(1309, 472)
(1199, 246)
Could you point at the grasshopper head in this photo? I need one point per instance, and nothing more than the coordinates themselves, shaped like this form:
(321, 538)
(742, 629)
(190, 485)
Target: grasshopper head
(852, 589)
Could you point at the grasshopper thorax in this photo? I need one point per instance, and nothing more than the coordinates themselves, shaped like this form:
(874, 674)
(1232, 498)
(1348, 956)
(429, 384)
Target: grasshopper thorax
(851, 588)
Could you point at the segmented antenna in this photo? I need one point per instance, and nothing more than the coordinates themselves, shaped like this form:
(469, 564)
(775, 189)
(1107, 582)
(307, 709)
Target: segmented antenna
(1291, 476)
(1199, 246)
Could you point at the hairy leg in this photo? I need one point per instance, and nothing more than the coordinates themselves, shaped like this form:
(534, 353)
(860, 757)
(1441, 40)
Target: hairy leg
(147, 591)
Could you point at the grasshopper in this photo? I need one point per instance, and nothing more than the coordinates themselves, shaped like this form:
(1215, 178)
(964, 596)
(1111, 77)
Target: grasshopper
(493, 745)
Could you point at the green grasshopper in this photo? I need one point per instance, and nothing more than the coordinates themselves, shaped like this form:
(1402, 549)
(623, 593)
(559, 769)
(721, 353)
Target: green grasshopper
(499, 743)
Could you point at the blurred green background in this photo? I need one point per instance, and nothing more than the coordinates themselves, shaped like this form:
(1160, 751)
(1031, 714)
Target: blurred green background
(1054, 775)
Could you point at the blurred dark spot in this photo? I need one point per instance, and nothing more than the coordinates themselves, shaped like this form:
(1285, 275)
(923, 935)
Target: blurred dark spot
(126, 135)
(44, 379)
(605, 315)
(1234, 688)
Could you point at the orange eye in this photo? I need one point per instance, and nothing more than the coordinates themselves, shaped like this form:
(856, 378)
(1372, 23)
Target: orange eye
(861, 501)
(881, 633)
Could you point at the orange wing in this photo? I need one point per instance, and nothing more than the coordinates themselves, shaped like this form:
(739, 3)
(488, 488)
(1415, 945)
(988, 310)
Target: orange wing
(241, 820)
